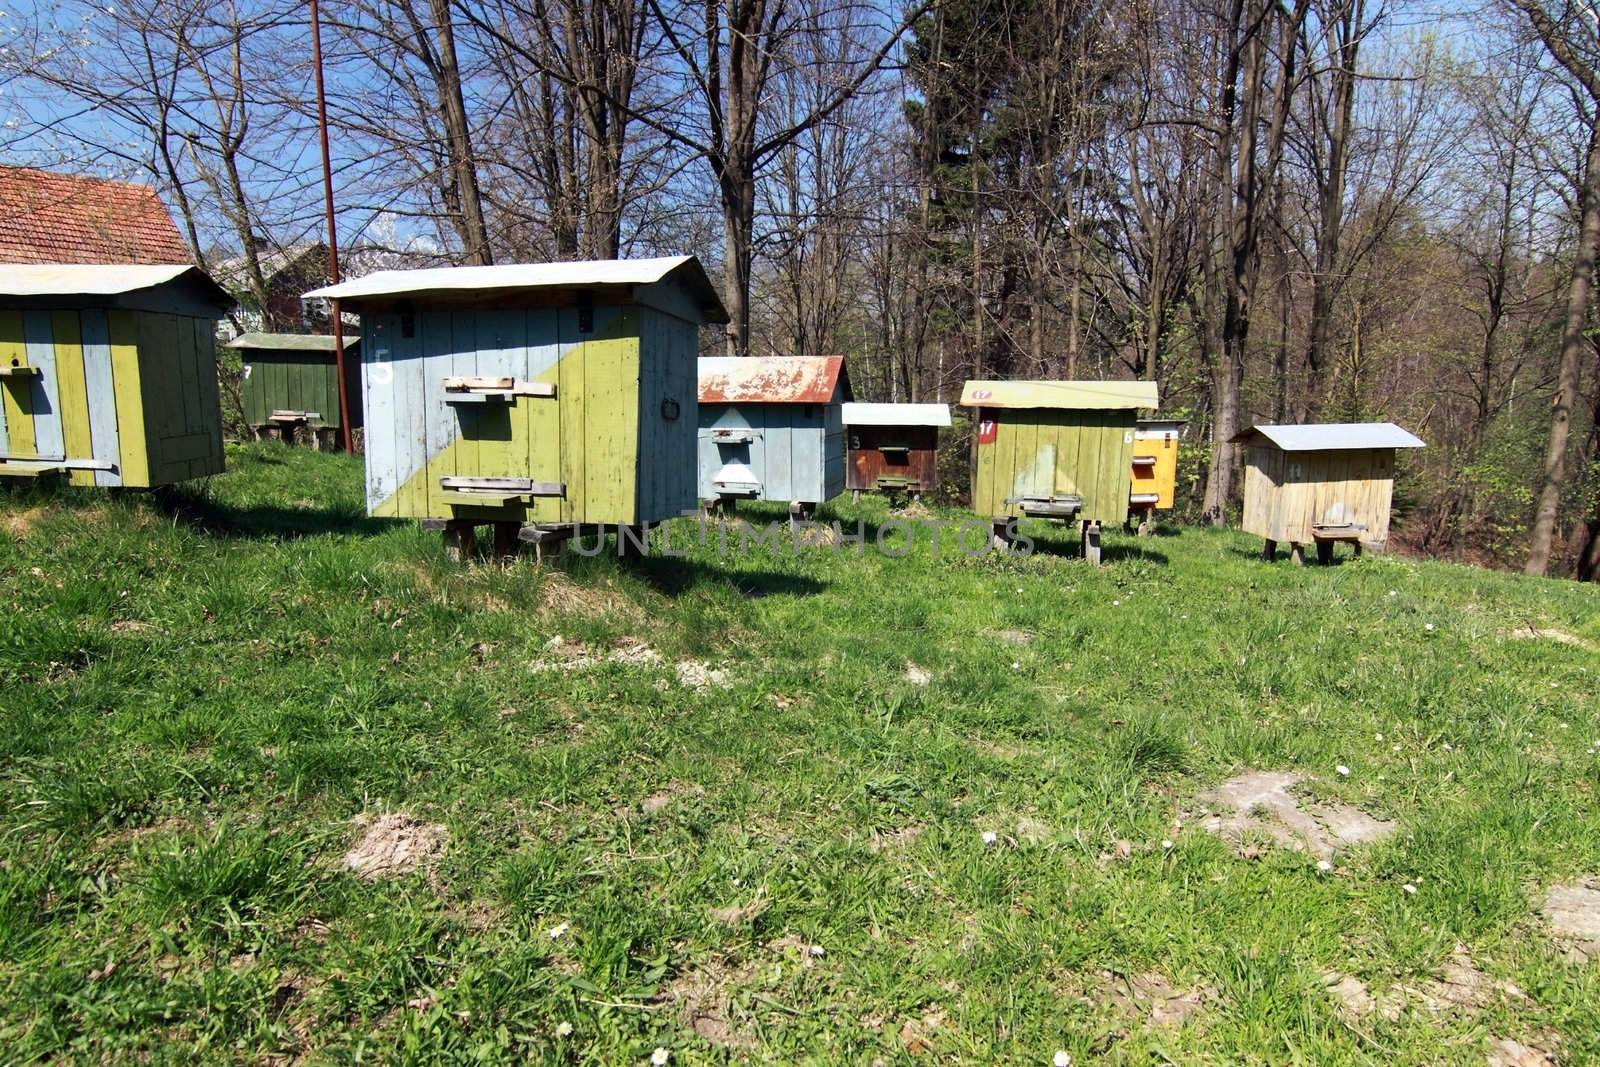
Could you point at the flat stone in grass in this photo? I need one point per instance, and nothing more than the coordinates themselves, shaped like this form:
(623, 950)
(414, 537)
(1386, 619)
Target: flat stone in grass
(393, 845)
(1573, 912)
(1259, 803)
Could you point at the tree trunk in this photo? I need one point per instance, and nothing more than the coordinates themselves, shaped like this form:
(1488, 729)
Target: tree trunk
(469, 224)
(1573, 346)
(738, 227)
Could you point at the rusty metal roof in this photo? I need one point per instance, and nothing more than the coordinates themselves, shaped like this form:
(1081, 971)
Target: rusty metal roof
(1331, 436)
(1077, 396)
(772, 380)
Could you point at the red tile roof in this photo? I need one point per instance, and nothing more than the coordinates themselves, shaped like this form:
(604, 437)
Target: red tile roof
(66, 218)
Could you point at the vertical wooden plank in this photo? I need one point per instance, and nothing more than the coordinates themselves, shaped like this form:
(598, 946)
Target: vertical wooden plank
(45, 395)
(16, 394)
(570, 394)
(413, 393)
(377, 396)
(127, 386)
(100, 391)
(984, 473)
(784, 422)
(541, 415)
(654, 368)
(186, 363)
(67, 336)
(205, 347)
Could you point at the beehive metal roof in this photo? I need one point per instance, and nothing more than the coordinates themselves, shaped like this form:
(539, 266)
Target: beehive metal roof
(102, 279)
(771, 380)
(1331, 436)
(1091, 396)
(897, 415)
(528, 277)
(289, 342)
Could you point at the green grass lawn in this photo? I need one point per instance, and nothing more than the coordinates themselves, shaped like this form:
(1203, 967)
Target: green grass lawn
(201, 699)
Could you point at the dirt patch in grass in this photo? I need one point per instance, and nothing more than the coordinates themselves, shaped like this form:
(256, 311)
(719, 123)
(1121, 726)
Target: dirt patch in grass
(565, 655)
(393, 845)
(561, 595)
(740, 914)
(663, 799)
(1573, 912)
(1509, 1052)
(917, 675)
(1459, 987)
(1260, 804)
(705, 999)
(700, 676)
(894, 840)
(917, 1034)
(1014, 637)
(130, 626)
(19, 524)
(1149, 997)
(1530, 632)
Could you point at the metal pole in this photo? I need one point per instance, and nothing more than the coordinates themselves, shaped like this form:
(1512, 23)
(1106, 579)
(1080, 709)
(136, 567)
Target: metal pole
(333, 231)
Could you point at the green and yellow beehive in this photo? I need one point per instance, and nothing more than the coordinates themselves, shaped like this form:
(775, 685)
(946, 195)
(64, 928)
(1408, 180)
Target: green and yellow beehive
(1055, 450)
(554, 393)
(108, 373)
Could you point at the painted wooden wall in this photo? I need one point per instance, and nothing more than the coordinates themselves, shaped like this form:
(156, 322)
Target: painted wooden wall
(1287, 493)
(1043, 452)
(299, 381)
(610, 383)
(919, 463)
(134, 389)
(1160, 477)
(798, 452)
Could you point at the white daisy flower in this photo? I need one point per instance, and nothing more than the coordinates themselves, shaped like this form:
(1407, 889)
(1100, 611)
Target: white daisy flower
(1324, 866)
(1344, 772)
(1410, 889)
(1166, 845)
(660, 1056)
(1062, 1058)
(990, 837)
(556, 932)
(563, 1029)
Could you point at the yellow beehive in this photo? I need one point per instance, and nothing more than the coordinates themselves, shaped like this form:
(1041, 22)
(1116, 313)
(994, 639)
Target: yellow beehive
(1155, 467)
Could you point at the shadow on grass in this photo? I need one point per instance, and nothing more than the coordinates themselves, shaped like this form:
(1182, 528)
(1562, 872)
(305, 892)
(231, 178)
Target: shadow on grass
(1283, 559)
(201, 511)
(676, 576)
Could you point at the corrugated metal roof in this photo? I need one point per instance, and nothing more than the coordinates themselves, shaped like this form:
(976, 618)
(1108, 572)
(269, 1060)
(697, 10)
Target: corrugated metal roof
(897, 414)
(1090, 396)
(521, 277)
(769, 380)
(289, 342)
(1332, 436)
(99, 279)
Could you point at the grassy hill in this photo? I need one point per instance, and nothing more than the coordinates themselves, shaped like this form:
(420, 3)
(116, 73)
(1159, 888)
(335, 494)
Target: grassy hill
(741, 809)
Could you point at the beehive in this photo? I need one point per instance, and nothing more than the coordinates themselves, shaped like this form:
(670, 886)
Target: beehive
(555, 393)
(1154, 481)
(772, 428)
(1321, 484)
(108, 374)
(1060, 450)
(893, 448)
(291, 381)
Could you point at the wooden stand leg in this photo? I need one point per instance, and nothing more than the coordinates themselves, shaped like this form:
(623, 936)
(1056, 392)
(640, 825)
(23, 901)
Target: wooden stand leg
(505, 541)
(460, 540)
(1269, 550)
(314, 439)
(1145, 518)
(1355, 548)
(998, 535)
(1324, 552)
(1091, 543)
(1297, 553)
(855, 496)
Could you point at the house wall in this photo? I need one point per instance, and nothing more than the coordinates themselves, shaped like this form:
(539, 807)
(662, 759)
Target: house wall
(134, 389)
(586, 437)
(669, 352)
(1287, 494)
(867, 464)
(1043, 452)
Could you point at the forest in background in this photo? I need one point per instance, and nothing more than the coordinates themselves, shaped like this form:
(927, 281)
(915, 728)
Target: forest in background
(1279, 210)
